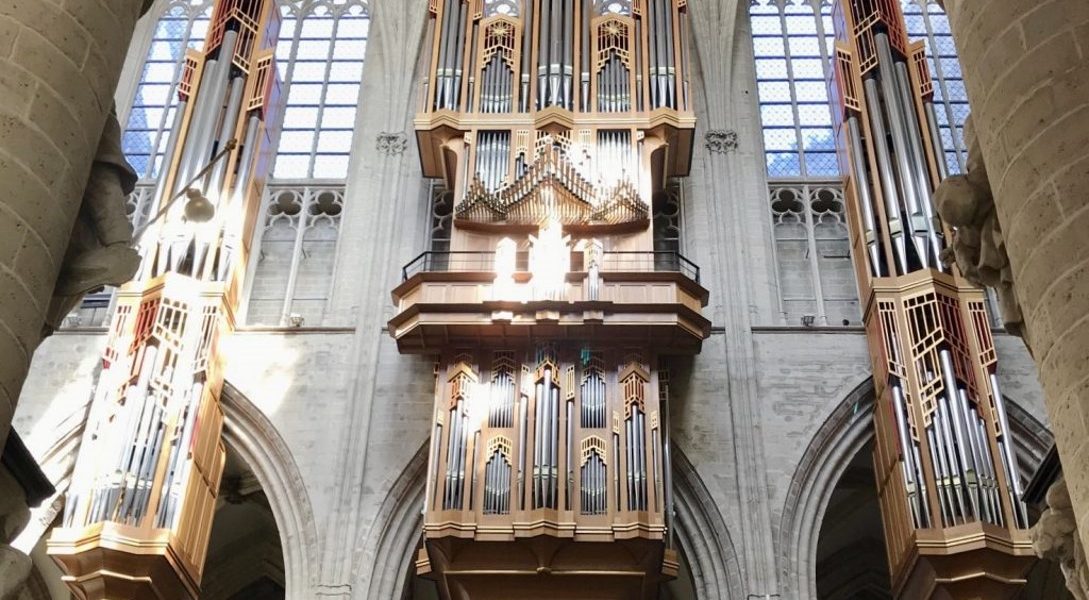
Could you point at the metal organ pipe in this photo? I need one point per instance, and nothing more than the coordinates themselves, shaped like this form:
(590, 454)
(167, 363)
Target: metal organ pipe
(1004, 446)
(936, 140)
(919, 170)
(947, 403)
(209, 107)
(865, 201)
(523, 415)
(587, 19)
(884, 167)
(906, 444)
(894, 110)
(527, 45)
(671, 71)
(568, 55)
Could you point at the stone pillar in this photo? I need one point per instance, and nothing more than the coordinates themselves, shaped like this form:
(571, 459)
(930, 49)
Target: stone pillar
(59, 64)
(1026, 65)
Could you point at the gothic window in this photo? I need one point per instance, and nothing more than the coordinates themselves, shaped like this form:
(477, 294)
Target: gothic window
(320, 57)
(791, 44)
(320, 61)
(153, 113)
(791, 39)
(927, 21)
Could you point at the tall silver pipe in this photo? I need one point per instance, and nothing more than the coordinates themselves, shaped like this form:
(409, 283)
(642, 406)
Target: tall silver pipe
(554, 441)
(189, 149)
(945, 502)
(555, 55)
(895, 111)
(947, 403)
(568, 54)
(992, 476)
(865, 201)
(888, 185)
(538, 445)
(936, 140)
(226, 133)
(587, 19)
(544, 45)
(527, 53)
(168, 158)
(210, 103)
(442, 73)
(671, 70)
(522, 419)
(1007, 451)
(459, 54)
(956, 476)
(920, 172)
(908, 470)
(570, 474)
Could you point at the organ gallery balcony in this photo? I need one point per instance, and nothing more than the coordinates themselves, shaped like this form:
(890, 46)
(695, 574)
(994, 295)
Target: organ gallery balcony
(469, 298)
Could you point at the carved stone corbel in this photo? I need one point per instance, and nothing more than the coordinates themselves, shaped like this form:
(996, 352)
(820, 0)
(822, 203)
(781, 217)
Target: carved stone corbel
(720, 141)
(1055, 537)
(978, 248)
(391, 143)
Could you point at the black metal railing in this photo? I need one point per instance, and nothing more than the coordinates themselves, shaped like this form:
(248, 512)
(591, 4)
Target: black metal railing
(666, 261)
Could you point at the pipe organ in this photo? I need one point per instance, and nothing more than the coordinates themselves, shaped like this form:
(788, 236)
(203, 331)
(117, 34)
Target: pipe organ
(556, 125)
(138, 513)
(947, 478)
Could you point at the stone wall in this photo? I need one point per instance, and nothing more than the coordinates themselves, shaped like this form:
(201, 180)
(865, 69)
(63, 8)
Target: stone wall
(354, 413)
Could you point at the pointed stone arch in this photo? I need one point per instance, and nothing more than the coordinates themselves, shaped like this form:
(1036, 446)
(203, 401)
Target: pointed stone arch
(248, 432)
(702, 534)
(845, 433)
(393, 537)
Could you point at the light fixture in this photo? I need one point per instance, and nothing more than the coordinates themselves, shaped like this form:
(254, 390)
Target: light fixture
(198, 208)
(807, 320)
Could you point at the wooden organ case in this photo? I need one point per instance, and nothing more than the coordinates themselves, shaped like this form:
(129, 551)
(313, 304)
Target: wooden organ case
(947, 478)
(138, 514)
(555, 125)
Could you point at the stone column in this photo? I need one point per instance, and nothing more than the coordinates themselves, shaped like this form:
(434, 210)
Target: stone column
(59, 64)
(1026, 65)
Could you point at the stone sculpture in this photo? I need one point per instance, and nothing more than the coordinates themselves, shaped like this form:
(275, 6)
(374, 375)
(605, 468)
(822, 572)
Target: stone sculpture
(979, 248)
(1055, 537)
(100, 251)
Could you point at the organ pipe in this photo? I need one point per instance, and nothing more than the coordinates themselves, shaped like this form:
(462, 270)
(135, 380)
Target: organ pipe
(940, 419)
(152, 460)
